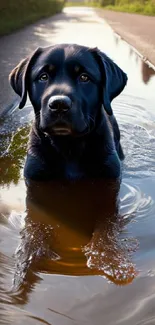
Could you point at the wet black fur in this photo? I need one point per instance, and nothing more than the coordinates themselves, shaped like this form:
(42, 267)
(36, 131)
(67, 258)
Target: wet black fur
(92, 149)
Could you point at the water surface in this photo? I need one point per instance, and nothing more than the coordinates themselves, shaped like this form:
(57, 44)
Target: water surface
(82, 253)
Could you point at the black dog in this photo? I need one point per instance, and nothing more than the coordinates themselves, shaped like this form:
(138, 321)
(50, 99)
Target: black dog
(75, 134)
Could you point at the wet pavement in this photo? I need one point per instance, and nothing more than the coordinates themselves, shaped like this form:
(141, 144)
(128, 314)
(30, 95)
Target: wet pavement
(54, 269)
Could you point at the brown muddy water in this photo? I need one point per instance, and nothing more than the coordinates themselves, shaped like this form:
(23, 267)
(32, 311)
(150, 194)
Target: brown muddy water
(82, 253)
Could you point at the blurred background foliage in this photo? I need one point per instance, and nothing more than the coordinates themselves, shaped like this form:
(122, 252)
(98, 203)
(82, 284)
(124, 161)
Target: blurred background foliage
(15, 14)
(145, 7)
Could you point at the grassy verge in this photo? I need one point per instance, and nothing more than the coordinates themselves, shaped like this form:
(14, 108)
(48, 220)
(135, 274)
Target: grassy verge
(15, 14)
(138, 7)
(135, 7)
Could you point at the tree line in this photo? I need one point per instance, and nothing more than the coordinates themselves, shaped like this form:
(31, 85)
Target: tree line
(15, 14)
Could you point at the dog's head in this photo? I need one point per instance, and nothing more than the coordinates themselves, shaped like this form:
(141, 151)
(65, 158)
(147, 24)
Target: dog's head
(67, 86)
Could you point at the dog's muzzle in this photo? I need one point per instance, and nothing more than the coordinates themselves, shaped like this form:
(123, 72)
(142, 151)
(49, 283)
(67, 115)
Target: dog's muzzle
(58, 107)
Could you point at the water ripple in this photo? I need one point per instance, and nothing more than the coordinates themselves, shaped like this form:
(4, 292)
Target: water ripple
(133, 202)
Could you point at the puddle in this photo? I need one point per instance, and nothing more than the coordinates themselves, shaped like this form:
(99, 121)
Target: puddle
(53, 268)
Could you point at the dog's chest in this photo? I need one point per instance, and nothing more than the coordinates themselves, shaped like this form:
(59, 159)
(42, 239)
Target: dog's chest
(73, 170)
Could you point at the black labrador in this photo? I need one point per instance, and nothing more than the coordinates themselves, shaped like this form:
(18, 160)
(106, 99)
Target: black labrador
(75, 134)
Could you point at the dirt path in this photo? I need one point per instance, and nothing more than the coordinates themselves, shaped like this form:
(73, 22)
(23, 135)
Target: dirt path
(137, 30)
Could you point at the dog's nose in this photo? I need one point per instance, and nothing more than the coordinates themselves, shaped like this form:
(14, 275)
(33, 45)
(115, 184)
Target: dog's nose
(60, 103)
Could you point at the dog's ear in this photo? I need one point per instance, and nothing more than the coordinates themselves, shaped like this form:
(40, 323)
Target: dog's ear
(114, 79)
(19, 76)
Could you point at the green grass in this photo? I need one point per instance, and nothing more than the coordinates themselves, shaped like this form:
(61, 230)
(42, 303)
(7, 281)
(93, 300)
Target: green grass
(146, 9)
(131, 6)
(15, 14)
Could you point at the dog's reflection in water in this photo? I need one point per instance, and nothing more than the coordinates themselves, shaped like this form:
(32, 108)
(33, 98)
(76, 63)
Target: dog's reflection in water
(74, 229)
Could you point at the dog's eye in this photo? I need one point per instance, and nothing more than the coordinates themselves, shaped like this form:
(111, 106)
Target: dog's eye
(84, 77)
(43, 77)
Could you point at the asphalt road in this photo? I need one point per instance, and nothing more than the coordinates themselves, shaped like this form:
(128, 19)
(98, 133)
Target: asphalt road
(70, 26)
